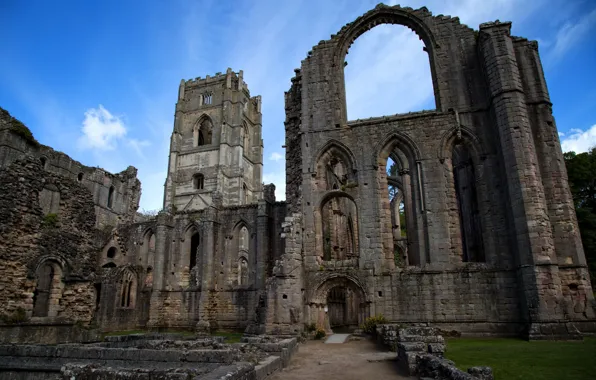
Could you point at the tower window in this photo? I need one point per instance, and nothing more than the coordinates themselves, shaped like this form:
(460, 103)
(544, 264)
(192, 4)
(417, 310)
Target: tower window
(80, 177)
(207, 98)
(198, 181)
(245, 191)
(111, 197)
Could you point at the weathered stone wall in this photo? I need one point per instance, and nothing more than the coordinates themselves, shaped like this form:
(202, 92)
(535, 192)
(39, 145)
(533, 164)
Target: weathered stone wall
(126, 187)
(29, 239)
(491, 98)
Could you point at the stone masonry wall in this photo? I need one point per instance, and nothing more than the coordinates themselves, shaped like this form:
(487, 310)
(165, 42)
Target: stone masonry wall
(28, 238)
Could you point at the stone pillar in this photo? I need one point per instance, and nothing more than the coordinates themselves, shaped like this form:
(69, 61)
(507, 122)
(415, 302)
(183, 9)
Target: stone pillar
(163, 236)
(206, 314)
(413, 250)
(538, 280)
(262, 252)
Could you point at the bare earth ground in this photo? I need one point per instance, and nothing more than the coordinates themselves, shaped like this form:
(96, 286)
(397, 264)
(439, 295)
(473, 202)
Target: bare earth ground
(347, 361)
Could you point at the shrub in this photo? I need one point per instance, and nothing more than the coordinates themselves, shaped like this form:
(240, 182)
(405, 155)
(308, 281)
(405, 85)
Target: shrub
(50, 220)
(310, 327)
(370, 323)
(320, 333)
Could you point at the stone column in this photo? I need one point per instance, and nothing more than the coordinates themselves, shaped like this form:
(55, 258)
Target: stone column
(413, 250)
(262, 245)
(206, 314)
(163, 237)
(539, 283)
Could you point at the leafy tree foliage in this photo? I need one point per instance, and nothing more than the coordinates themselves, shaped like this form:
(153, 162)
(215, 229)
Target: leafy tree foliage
(581, 169)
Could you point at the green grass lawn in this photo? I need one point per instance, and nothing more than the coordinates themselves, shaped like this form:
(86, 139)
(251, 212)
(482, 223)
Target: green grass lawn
(519, 359)
(231, 336)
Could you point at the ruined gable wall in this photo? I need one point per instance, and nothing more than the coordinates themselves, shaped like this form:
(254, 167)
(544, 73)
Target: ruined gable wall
(27, 236)
(127, 187)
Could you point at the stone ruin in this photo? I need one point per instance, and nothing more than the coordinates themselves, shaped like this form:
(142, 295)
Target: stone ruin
(492, 244)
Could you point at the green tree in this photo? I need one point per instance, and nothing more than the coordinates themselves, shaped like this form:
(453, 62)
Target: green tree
(581, 169)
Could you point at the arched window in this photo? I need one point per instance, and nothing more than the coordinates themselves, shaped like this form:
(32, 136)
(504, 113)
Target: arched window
(110, 196)
(207, 98)
(407, 84)
(203, 132)
(48, 290)
(111, 253)
(43, 161)
(80, 177)
(245, 193)
(465, 192)
(198, 181)
(128, 290)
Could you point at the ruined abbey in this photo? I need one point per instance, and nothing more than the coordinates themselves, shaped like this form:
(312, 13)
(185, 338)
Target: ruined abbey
(490, 245)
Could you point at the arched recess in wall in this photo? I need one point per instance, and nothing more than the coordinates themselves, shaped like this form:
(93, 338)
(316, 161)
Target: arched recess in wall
(245, 138)
(203, 131)
(111, 197)
(463, 154)
(338, 221)
(48, 290)
(148, 256)
(399, 149)
(335, 167)
(388, 70)
(128, 289)
(191, 258)
(241, 262)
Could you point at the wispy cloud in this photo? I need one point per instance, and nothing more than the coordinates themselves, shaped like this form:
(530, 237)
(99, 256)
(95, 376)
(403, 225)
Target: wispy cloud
(570, 34)
(276, 156)
(579, 141)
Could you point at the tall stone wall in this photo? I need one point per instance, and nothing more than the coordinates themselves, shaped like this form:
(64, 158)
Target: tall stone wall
(29, 239)
(492, 103)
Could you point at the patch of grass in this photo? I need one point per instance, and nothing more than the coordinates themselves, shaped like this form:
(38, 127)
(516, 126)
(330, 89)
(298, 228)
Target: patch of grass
(230, 336)
(50, 221)
(520, 359)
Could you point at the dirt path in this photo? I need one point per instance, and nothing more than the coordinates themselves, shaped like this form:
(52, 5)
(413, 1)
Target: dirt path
(348, 361)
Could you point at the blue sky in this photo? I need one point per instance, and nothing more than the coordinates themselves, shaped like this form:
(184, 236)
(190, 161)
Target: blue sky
(98, 80)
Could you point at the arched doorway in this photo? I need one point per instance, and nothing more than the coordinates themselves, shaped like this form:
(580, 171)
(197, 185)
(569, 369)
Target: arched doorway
(339, 304)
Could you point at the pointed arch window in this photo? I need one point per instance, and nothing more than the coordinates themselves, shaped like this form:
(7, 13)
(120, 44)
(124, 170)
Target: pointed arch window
(128, 290)
(245, 139)
(203, 132)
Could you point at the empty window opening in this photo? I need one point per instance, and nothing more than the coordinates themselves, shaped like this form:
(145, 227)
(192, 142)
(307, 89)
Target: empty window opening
(207, 98)
(467, 204)
(43, 161)
(203, 132)
(128, 290)
(194, 249)
(80, 177)
(109, 265)
(111, 253)
(110, 196)
(387, 72)
(198, 182)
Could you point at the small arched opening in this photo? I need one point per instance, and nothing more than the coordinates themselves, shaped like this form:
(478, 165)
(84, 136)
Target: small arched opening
(111, 254)
(128, 290)
(338, 304)
(48, 290)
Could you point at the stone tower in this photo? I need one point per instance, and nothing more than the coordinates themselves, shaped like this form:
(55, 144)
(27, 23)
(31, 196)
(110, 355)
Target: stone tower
(216, 146)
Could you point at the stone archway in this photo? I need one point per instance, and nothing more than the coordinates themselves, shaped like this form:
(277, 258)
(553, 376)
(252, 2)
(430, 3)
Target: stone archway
(339, 302)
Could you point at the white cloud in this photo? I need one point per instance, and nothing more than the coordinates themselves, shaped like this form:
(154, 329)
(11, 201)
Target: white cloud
(276, 156)
(570, 34)
(579, 141)
(101, 129)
